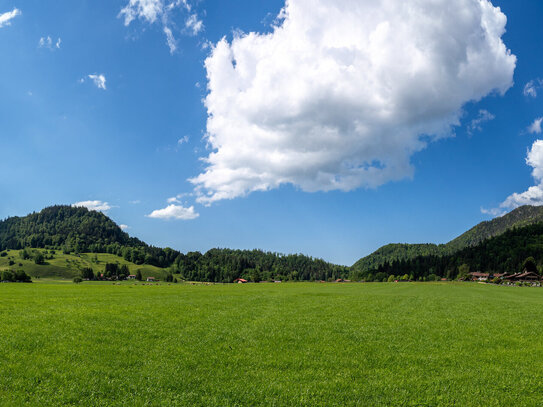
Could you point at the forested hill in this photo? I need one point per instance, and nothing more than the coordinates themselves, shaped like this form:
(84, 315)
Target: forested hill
(63, 226)
(522, 216)
(506, 253)
(78, 230)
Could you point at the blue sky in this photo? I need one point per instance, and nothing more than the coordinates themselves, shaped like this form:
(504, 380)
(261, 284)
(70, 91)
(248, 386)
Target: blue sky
(113, 113)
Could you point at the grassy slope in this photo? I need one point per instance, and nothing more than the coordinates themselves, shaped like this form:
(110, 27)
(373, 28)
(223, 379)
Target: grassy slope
(69, 265)
(270, 344)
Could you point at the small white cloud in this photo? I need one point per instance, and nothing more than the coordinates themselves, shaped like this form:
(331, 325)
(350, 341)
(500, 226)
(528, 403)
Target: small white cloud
(124, 227)
(59, 41)
(194, 25)
(534, 194)
(183, 140)
(94, 205)
(174, 212)
(5, 18)
(98, 80)
(535, 127)
(531, 88)
(477, 123)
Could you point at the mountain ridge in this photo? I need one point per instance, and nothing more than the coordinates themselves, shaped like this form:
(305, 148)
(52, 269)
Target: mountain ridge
(522, 216)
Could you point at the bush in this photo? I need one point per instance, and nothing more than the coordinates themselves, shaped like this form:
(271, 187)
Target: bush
(39, 259)
(3, 254)
(78, 280)
(7, 276)
(24, 254)
(22, 277)
(87, 273)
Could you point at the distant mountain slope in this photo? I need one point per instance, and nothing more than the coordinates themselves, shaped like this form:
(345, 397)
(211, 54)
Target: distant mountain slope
(522, 216)
(505, 253)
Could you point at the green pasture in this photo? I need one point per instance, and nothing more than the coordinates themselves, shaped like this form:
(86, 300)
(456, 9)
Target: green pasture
(68, 266)
(298, 344)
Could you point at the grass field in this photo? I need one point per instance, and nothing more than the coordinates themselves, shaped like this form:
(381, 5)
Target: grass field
(68, 266)
(300, 344)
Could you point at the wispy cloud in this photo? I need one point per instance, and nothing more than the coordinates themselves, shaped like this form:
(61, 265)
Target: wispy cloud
(183, 140)
(193, 24)
(99, 80)
(535, 127)
(47, 42)
(5, 18)
(162, 12)
(477, 123)
(100, 206)
(124, 227)
(179, 197)
(531, 89)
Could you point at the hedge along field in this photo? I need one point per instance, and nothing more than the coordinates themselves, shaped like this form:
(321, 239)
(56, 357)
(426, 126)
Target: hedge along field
(308, 344)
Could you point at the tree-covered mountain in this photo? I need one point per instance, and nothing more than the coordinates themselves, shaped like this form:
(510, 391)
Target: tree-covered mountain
(78, 230)
(63, 226)
(522, 216)
(505, 253)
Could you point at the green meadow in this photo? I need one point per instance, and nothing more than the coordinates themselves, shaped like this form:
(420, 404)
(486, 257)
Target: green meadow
(68, 266)
(297, 344)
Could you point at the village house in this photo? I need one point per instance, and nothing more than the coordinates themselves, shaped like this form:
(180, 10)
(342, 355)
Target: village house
(478, 276)
(240, 281)
(151, 279)
(131, 277)
(528, 276)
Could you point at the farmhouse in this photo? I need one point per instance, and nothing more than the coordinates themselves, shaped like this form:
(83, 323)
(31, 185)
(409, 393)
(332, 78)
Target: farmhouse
(524, 276)
(240, 281)
(151, 279)
(131, 277)
(477, 276)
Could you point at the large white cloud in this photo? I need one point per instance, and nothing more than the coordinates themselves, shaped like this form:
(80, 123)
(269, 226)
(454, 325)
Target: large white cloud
(5, 18)
(534, 194)
(342, 93)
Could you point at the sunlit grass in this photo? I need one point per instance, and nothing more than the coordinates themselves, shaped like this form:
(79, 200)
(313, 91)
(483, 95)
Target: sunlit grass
(270, 344)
